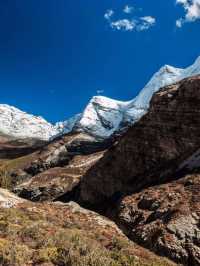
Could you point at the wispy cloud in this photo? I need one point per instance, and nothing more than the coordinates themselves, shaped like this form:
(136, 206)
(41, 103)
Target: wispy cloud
(128, 9)
(146, 23)
(192, 11)
(123, 24)
(109, 13)
(100, 92)
(129, 24)
(149, 20)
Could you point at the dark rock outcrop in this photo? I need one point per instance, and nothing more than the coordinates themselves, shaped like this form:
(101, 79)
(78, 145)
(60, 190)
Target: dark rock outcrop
(57, 168)
(13, 148)
(149, 182)
(165, 219)
(62, 150)
(152, 150)
(57, 182)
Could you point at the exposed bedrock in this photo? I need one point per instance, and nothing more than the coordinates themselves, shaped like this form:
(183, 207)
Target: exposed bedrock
(152, 150)
(58, 168)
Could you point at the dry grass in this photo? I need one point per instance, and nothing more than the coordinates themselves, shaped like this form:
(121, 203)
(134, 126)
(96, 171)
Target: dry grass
(5, 179)
(13, 164)
(9, 166)
(39, 234)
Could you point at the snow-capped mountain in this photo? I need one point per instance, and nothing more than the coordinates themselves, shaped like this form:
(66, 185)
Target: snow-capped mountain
(165, 76)
(102, 116)
(19, 125)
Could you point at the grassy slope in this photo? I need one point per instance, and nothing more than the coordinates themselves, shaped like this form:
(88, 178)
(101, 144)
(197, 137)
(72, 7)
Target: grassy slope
(8, 166)
(54, 234)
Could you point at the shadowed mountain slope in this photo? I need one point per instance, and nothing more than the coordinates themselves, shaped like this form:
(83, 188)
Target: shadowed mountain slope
(153, 149)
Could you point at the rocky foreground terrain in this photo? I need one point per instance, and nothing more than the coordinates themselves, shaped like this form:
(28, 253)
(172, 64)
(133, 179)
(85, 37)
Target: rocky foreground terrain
(151, 177)
(63, 234)
(131, 199)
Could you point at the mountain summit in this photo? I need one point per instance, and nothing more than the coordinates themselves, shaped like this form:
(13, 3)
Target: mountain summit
(102, 116)
(19, 125)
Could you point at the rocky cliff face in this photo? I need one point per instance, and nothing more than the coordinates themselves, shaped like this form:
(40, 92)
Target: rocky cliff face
(153, 149)
(149, 182)
(165, 219)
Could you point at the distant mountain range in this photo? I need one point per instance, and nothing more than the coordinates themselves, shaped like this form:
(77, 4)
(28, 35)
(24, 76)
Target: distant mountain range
(102, 116)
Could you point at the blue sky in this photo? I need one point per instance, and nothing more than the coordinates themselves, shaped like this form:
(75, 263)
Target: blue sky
(56, 54)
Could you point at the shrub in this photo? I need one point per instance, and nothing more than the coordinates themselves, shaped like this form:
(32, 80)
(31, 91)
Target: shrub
(13, 254)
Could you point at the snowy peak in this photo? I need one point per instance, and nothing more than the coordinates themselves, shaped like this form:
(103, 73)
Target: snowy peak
(105, 101)
(193, 69)
(20, 125)
(102, 116)
(165, 76)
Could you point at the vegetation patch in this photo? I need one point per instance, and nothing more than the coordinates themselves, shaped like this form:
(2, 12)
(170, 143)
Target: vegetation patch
(49, 234)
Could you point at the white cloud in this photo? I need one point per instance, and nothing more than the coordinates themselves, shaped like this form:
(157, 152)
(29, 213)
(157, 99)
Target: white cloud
(139, 24)
(183, 2)
(146, 23)
(148, 19)
(127, 24)
(123, 24)
(179, 22)
(109, 13)
(192, 11)
(128, 9)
